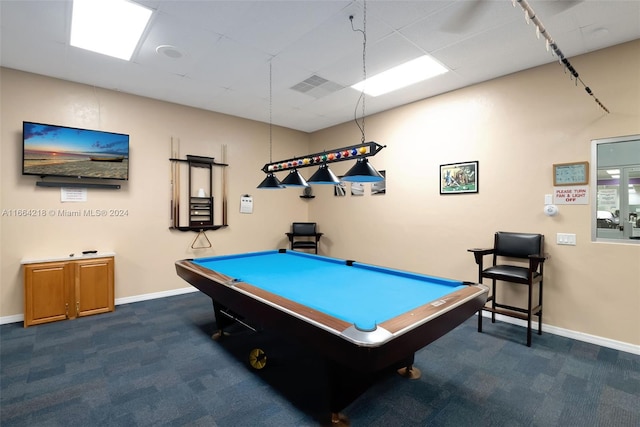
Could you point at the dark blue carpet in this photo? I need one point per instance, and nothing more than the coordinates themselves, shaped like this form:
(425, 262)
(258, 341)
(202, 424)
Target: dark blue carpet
(153, 363)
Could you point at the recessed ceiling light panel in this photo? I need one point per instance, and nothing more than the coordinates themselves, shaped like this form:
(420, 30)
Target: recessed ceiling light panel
(414, 71)
(109, 27)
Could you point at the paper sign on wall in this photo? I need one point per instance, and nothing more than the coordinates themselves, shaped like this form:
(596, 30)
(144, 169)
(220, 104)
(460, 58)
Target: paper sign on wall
(246, 204)
(73, 194)
(571, 195)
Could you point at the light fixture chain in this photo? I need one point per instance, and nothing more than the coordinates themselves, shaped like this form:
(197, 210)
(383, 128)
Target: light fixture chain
(270, 112)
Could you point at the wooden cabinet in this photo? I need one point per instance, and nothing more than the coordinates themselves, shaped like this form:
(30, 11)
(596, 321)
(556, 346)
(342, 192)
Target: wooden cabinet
(66, 289)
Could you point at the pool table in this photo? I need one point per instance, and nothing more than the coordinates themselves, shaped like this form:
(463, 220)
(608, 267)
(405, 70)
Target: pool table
(362, 318)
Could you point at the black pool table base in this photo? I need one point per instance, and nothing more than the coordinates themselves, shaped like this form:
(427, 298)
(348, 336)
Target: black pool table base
(262, 349)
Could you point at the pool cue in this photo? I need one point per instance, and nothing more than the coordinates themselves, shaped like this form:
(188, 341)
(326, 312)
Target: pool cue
(171, 177)
(224, 185)
(175, 183)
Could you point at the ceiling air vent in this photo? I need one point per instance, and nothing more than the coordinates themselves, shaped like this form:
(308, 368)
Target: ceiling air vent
(317, 87)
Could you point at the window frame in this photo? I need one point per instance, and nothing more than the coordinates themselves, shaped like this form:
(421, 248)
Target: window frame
(595, 166)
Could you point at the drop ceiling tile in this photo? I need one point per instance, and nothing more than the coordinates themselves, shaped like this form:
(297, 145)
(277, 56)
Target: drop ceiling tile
(229, 44)
(272, 26)
(191, 42)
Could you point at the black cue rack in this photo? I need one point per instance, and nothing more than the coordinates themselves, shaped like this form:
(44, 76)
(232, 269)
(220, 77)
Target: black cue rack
(200, 214)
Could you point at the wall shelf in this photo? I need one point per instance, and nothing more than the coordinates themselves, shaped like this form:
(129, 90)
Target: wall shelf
(198, 229)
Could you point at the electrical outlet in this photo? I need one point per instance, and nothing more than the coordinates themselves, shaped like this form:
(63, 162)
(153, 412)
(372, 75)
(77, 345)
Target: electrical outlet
(566, 239)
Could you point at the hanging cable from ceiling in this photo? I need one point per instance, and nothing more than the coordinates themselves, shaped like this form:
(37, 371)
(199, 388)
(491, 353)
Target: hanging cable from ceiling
(271, 181)
(362, 171)
(530, 16)
(361, 99)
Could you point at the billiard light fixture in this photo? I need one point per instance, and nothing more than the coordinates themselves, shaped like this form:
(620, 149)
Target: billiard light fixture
(362, 171)
(324, 175)
(294, 179)
(271, 182)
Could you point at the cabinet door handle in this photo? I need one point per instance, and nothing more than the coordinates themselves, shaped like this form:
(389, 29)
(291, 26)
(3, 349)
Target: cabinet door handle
(66, 310)
(77, 308)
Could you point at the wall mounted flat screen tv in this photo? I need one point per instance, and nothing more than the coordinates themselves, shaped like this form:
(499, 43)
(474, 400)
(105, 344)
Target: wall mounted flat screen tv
(50, 150)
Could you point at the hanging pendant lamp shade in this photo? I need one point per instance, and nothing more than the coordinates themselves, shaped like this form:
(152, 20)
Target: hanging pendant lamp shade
(324, 175)
(271, 182)
(362, 171)
(294, 179)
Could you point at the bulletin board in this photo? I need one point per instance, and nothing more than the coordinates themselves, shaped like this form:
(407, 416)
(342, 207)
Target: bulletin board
(576, 173)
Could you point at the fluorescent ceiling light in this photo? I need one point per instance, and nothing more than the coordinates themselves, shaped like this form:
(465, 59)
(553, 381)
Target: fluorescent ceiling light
(613, 171)
(414, 71)
(109, 27)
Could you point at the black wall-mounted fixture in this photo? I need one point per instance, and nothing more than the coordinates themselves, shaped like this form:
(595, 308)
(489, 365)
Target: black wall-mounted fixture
(77, 185)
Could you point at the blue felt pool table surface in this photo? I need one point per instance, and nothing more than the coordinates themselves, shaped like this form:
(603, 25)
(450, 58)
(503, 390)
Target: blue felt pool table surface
(361, 294)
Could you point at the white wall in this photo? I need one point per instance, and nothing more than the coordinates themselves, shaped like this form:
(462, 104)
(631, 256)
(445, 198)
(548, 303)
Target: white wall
(517, 127)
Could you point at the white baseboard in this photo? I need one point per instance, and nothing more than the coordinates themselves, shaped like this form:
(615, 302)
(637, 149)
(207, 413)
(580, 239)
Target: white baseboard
(119, 301)
(155, 295)
(578, 336)
(12, 319)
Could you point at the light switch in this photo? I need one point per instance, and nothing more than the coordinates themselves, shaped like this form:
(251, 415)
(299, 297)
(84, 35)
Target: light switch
(566, 239)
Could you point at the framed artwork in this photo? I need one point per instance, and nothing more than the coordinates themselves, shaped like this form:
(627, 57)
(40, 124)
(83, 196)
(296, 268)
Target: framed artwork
(379, 187)
(459, 178)
(571, 173)
(357, 189)
(340, 190)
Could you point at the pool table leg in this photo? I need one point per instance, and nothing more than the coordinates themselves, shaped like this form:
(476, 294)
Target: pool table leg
(344, 386)
(407, 370)
(410, 372)
(222, 321)
(339, 419)
(225, 318)
(219, 322)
